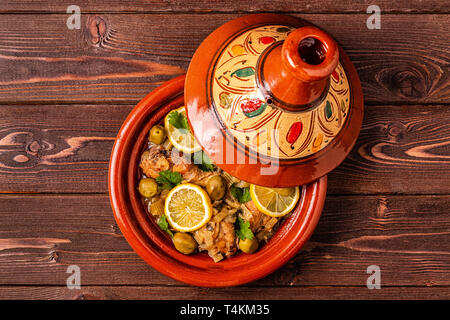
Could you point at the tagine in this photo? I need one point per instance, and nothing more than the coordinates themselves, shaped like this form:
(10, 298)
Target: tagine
(230, 165)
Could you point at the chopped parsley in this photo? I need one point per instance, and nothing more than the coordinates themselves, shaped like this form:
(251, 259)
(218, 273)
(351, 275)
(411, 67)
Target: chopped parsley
(243, 230)
(168, 179)
(178, 120)
(241, 194)
(162, 223)
(203, 161)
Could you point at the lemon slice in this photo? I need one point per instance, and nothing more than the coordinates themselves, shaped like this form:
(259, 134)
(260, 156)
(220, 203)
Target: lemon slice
(181, 139)
(274, 202)
(187, 207)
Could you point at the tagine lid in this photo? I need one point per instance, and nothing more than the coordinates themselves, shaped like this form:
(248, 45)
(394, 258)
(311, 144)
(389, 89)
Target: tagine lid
(273, 100)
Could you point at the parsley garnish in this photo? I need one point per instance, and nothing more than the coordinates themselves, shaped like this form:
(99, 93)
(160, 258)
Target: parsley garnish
(162, 223)
(178, 120)
(241, 194)
(203, 161)
(168, 179)
(243, 230)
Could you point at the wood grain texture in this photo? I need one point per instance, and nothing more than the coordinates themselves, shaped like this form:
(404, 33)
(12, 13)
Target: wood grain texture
(403, 149)
(57, 148)
(65, 93)
(348, 6)
(66, 149)
(192, 293)
(407, 236)
(122, 57)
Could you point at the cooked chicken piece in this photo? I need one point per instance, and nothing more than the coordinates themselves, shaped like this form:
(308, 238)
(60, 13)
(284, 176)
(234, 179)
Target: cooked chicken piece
(264, 235)
(231, 201)
(156, 206)
(229, 178)
(154, 161)
(198, 176)
(219, 239)
(227, 238)
(256, 218)
(180, 163)
(224, 213)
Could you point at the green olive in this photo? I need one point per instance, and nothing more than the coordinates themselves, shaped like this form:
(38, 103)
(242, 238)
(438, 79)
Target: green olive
(248, 245)
(184, 242)
(148, 187)
(157, 134)
(216, 187)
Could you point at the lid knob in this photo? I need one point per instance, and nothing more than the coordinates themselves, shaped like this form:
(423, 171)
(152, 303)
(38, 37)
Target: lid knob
(295, 74)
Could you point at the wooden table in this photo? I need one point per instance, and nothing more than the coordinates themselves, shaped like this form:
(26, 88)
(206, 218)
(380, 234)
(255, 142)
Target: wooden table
(64, 94)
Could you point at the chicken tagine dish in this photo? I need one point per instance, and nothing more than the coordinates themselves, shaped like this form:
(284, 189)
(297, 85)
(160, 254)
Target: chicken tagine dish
(201, 207)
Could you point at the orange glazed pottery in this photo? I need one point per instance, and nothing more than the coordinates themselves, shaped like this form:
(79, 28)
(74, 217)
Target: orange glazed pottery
(154, 245)
(273, 101)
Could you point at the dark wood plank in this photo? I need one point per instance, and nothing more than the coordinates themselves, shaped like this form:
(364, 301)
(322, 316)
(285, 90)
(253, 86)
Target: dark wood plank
(406, 236)
(404, 149)
(250, 293)
(66, 148)
(304, 6)
(121, 57)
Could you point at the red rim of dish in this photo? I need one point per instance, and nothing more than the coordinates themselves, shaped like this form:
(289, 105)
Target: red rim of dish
(154, 246)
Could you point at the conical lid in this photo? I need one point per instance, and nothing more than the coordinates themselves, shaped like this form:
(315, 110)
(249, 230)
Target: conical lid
(273, 100)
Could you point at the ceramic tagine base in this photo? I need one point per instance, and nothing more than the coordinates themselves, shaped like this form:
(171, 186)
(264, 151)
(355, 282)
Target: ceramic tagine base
(155, 247)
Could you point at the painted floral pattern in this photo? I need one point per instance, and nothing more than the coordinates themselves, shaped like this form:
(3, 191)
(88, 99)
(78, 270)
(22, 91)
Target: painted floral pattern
(255, 123)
